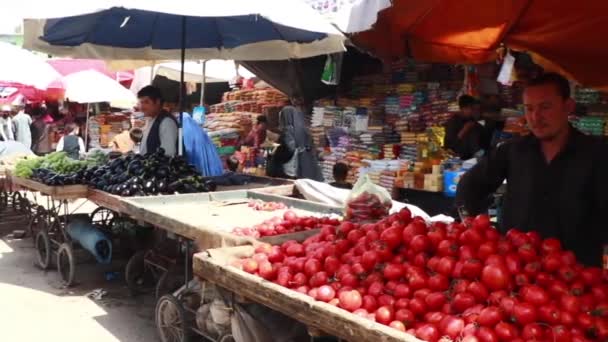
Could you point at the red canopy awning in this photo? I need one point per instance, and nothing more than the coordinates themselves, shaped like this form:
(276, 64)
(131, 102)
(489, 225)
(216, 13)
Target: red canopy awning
(563, 36)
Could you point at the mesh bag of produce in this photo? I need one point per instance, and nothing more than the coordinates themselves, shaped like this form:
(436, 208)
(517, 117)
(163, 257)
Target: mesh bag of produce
(367, 201)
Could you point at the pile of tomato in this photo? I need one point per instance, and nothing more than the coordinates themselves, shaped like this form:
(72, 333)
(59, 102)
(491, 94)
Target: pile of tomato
(290, 222)
(439, 282)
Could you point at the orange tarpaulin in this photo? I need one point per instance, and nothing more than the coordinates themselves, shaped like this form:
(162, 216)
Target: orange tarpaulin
(565, 36)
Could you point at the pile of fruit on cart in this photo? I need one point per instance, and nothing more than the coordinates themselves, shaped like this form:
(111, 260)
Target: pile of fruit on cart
(289, 223)
(445, 282)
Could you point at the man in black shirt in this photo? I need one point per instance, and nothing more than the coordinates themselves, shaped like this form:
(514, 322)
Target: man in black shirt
(556, 177)
(463, 134)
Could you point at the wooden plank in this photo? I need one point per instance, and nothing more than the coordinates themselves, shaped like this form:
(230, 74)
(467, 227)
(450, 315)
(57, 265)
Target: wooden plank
(281, 190)
(107, 200)
(57, 192)
(213, 266)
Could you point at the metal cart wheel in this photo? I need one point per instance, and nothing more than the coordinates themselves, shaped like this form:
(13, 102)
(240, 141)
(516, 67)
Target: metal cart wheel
(102, 216)
(171, 320)
(43, 249)
(139, 275)
(66, 264)
(168, 283)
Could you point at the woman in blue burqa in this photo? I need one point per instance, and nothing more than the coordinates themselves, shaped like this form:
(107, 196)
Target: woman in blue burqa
(296, 155)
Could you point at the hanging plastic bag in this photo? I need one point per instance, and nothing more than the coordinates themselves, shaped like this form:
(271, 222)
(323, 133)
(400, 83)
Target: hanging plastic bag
(332, 69)
(367, 201)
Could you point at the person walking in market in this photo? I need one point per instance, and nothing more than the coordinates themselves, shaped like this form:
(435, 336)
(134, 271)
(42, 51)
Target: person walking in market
(295, 157)
(257, 135)
(161, 130)
(556, 177)
(71, 143)
(6, 124)
(41, 143)
(22, 122)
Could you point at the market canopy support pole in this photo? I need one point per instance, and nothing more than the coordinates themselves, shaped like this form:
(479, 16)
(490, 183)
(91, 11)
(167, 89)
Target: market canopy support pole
(182, 95)
(203, 82)
(86, 130)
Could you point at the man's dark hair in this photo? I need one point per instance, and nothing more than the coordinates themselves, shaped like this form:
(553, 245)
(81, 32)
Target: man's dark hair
(466, 101)
(232, 163)
(262, 119)
(560, 82)
(340, 171)
(136, 134)
(152, 92)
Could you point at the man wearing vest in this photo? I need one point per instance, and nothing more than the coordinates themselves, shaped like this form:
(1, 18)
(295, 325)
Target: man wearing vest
(71, 143)
(161, 129)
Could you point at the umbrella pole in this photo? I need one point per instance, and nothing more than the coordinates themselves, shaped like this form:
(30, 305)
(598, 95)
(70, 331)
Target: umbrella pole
(203, 82)
(86, 130)
(182, 97)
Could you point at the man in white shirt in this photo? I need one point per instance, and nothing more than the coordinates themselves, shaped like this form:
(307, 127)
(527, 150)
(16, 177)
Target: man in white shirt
(6, 124)
(161, 130)
(22, 122)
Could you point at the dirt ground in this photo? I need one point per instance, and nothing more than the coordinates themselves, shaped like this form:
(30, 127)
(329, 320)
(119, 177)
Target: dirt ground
(34, 307)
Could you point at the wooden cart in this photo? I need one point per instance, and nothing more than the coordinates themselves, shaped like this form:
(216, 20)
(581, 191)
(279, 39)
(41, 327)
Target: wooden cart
(205, 220)
(214, 266)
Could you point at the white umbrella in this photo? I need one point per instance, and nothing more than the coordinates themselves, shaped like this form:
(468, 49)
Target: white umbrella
(90, 86)
(351, 16)
(21, 66)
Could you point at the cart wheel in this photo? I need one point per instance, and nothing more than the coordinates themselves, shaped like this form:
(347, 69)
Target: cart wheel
(171, 320)
(102, 216)
(66, 264)
(138, 275)
(168, 283)
(43, 247)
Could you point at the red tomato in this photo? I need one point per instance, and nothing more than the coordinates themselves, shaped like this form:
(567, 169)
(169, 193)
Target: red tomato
(524, 313)
(481, 222)
(534, 295)
(350, 300)
(428, 332)
(490, 316)
(435, 301)
(434, 317)
(495, 277)
(506, 332)
(471, 237)
(460, 286)
(391, 237)
(438, 282)
(318, 279)
(485, 334)
(405, 215)
(479, 291)
(411, 230)
(386, 300)
(331, 264)
(250, 265)
(369, 303)
(549, 314)
(402, 303)
(397, 325)
(376, 289)
(393, 271)
(592, 276)
(569, 303)
(325, 293)
(471, 269)
(559, 333)
(550, 246)
(451, 326)
(551, 262)
(544, 279)
(533, 331)
(535, 238)
(567, 318)
(446, 266)
(486, 249)
(417, 306)
(513, 263)
(527, 253)
(506, 305)
(447, 248)
(462, 301)
(266, 270)
(384, 315)
(420, 243)
(405, 316)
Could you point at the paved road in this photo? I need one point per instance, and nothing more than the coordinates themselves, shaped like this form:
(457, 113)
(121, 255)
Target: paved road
(34, 307)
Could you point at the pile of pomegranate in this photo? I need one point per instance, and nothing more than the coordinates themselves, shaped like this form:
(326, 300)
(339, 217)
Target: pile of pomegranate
(445, 282)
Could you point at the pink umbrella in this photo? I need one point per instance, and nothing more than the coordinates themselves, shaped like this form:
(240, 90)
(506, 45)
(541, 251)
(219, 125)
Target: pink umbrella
(68, 66)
